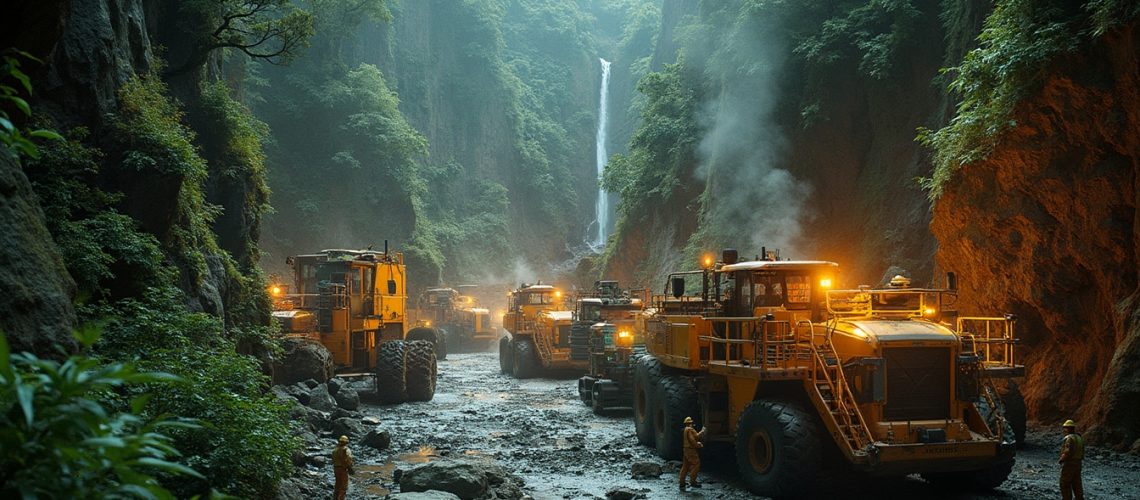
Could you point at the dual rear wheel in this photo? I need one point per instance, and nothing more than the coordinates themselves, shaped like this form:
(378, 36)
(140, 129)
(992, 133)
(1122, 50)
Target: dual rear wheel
(406, 371)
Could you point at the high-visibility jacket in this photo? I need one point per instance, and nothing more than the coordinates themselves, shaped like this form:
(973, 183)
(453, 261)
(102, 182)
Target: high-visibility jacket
(1072, 448)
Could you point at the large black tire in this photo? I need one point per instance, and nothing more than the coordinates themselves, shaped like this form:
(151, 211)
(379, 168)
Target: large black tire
(778, 449)
(586, 390)
(506, 357)
(433, 335)
(987, 478)
(391, 377)
(677, 399)
(646, 373)
(525, 359)
(421, 370)
(1015, 411)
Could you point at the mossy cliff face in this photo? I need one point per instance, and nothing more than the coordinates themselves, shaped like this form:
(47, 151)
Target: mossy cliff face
(1046, 227)
(35, 309)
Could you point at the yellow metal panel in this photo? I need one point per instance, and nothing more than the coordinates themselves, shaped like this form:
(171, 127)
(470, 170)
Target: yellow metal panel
(741, 392)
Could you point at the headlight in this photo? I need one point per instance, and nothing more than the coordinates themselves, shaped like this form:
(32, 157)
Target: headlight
(275, 291)
(929, 311)
(825, 283)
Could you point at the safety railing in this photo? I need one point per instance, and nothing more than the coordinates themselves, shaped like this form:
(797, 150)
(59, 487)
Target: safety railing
(829, 373)
(992, 337)
(895, 303)
(758, 342)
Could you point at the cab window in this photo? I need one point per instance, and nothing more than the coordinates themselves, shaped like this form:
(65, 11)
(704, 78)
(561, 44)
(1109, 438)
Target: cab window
(799, 289)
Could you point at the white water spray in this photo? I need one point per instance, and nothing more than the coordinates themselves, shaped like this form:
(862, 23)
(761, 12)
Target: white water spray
(602, 207)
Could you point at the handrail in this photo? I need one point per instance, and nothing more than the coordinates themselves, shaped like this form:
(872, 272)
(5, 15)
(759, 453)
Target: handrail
(838, 387)
(996, 338)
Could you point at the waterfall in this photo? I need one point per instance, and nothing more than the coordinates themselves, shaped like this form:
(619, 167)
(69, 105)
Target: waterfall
(602, 207)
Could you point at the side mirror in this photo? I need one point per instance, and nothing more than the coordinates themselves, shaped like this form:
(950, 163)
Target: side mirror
(677, 284)
(391, 287)
(952, 281)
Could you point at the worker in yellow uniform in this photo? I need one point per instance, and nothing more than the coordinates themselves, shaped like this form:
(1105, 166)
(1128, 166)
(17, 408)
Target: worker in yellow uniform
(692, 458)
(342, 467)
(1072, 453)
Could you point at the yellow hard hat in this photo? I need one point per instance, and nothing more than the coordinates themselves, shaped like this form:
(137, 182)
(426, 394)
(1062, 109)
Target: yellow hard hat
(343, 440)
(688, 420)
(1069, 423)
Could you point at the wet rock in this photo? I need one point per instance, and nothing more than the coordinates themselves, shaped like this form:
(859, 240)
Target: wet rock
(303, 361)
(1135, 450)
(317, 420)
(320, 399)
(347, 398)
(335, 384)
(340, 413)
(298, 391)
(465, 480)
(646, 470)
(423, 495)
(377, 438)
(347, 426)
(297, 489)
(623, 493)
(311, 383)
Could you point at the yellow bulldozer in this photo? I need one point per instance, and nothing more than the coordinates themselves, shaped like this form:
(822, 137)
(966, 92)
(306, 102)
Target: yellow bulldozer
(798, 377)
(538, 325)
(353, 303)
(457, 318)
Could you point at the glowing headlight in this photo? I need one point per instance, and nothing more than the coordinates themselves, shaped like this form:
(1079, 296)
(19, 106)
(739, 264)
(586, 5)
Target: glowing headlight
(558, 294)
(929, 311)
(825, 283)
(275, 290)
(624, 334)
(427, 323)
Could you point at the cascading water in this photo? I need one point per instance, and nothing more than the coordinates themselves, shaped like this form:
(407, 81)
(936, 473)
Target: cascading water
(602, 207)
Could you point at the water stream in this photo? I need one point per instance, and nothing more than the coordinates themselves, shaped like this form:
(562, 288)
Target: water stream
(602, 207)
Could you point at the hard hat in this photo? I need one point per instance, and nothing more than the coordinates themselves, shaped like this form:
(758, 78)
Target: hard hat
(343, 440)
(688, 420)
(1069, 423)
(900, 281)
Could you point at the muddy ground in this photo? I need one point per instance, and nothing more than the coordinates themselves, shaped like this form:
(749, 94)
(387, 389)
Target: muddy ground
(540, 430)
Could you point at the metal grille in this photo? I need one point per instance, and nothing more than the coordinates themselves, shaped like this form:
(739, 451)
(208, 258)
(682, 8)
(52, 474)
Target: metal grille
(918, 383)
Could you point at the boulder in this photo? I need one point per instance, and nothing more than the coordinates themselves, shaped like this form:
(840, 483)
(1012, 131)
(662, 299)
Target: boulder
(311, 383)
(423, 495)
(317, 420)
(299, 392)
(303, 360)
(646, 470)
(347, 426)
(623, 493)
(377, 438)
(320, 399)
(335, 384)
(465, 480)
(347, 398)
(295, 488)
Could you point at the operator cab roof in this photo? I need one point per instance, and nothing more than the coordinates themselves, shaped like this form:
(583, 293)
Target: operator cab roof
(888, 330)
(538, 288)
(777, 265)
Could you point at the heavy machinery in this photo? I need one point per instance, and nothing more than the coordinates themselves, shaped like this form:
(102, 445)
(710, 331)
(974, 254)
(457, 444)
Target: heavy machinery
(603, 334)
(538, 325)
(353, 302)
(457, 318)
(798, 377)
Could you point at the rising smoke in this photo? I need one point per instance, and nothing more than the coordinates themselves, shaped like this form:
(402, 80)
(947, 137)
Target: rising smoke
(749, 200)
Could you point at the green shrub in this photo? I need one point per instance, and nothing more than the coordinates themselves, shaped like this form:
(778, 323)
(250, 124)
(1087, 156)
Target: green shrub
(245, 442)
(60, 439)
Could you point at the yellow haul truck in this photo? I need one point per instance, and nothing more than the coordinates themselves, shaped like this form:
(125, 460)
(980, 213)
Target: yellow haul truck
(603, 335)
(353, 302)
(455, 314)
(538, 325)
(772, 361)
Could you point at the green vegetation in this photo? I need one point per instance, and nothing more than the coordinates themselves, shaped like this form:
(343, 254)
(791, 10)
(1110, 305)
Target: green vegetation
(61, 439)
(15, 140)
(273, 30)
(245, 441)
(1019, 41)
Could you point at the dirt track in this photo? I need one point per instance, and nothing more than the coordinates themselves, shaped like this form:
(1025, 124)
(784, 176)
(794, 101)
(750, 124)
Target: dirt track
(540, 430)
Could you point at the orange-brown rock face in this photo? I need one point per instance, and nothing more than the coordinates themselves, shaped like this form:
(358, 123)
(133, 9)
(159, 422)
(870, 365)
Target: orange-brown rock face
(1047, 228)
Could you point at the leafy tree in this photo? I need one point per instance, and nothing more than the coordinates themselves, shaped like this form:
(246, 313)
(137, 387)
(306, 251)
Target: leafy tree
(270, 30)
(16, 140)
